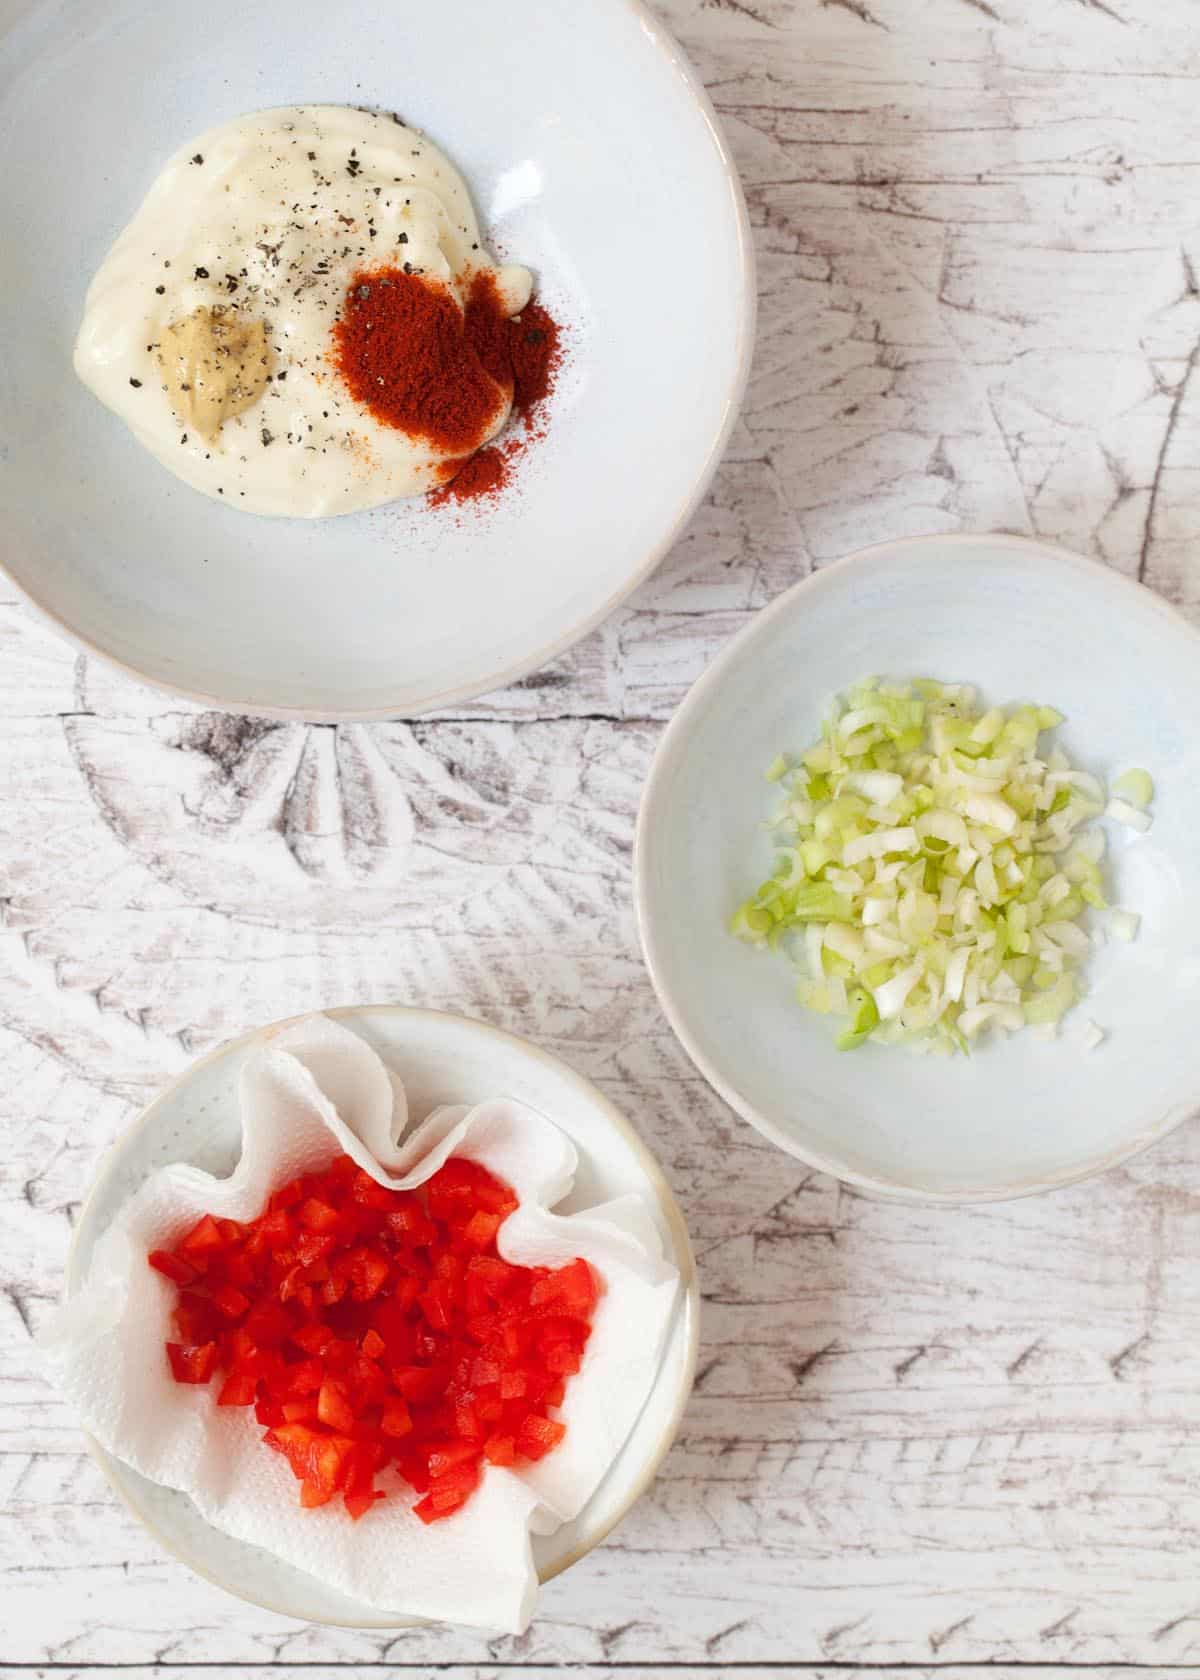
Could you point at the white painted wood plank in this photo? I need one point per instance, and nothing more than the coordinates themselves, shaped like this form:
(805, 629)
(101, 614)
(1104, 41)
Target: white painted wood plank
(609, 1671)
(929, 1438)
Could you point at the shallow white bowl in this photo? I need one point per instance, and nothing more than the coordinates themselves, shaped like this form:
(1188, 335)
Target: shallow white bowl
(442, 1059)
(1024, 621)
(593, 157)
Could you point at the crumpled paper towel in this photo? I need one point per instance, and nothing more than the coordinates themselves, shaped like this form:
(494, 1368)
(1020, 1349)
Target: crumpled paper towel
(313, 1087)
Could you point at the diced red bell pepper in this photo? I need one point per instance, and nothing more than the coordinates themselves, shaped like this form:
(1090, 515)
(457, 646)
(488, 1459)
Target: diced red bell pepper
(368, 1274)
(358, 1504)
(371, 1193)
(278, 1227)
(172, 1266)
(267, 1324)
(318, 1216)
(313, 1338)
(450, 1491)
(480, 1230)
(314, 1245)
(563, 1358)
(466, 1421)
(451, 1455)
(410, 1223)
(203, 1238)
(370, 1328)
(419, 1384)
(194, 1318)
(571, 1290)
(333, 1408)
(413, 1465)
(230, 1301)
(538, 1435)
(304, 1377)
(437, 1303)
(397, 1419)
(238, 1389)
(192, 1364)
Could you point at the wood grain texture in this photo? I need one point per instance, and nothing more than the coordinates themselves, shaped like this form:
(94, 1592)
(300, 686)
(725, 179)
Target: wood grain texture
(919, 1437)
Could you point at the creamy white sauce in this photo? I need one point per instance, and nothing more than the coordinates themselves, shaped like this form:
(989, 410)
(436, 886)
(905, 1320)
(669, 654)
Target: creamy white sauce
(268, 218)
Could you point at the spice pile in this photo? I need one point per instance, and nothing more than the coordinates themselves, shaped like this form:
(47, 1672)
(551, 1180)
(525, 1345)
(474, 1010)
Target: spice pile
(370, 1327)
(444, 375)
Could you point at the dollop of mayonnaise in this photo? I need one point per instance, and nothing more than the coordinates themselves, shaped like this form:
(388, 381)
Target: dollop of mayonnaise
(208, 327)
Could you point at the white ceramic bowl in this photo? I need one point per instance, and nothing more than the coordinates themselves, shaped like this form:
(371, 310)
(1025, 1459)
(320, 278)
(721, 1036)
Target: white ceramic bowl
(1024, 621)
(593, 156)
(442, 1059)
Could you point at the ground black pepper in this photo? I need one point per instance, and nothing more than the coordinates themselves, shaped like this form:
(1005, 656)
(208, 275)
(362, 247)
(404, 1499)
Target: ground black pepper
(136, 383)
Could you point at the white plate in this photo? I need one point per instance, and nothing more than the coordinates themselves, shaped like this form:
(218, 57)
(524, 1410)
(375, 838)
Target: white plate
(592, 154)
(442, 1059)
(1024, 621)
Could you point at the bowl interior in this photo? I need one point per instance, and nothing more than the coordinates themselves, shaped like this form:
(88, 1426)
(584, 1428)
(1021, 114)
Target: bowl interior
(442, 1058)
(1023, 622)
(592, 158)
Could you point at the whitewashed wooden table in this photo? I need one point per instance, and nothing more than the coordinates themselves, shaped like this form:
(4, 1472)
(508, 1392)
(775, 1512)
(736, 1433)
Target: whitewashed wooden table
(919, 1438)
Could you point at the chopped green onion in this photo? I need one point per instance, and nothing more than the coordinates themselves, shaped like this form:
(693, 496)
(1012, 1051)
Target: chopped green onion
(1123, 925)
(1137, 786)
(939, 865)
(1120, 810)
(864, 1017)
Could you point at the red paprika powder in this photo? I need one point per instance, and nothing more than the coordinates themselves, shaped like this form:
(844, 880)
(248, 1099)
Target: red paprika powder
(402, 346)
(533, 345)
(442, 374)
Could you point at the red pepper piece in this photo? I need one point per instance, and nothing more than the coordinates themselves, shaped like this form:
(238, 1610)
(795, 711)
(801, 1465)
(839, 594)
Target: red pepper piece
(538, 1435)
(437, 1303)
(397, 1419)
(238, 1389)
(203, 1238)
(318, 1216)
(172, 1266)
(192, 1364)
(333, 1408)
(230, 1301)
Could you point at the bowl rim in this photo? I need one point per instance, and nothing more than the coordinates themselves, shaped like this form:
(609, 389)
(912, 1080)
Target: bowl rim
(876, 556)
(689, 1309)
(664, 42)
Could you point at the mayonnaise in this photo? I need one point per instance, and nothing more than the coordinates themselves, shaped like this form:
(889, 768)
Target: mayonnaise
(208, 326)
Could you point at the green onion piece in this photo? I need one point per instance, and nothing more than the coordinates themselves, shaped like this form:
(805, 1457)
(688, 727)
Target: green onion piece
(1137, 786)
(863, 1018)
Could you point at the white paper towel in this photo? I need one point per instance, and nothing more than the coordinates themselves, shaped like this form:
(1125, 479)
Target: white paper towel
(314, 1088)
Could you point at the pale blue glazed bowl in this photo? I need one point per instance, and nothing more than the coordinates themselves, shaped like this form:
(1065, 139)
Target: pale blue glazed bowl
(1023, 620)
